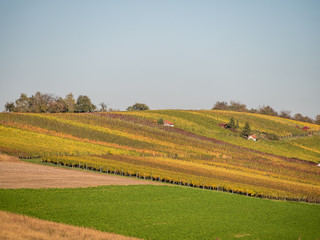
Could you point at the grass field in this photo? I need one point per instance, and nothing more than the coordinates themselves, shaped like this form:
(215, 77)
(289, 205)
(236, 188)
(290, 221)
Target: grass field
(167, 212)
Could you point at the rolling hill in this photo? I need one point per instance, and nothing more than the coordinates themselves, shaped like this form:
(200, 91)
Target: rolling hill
(195, 152)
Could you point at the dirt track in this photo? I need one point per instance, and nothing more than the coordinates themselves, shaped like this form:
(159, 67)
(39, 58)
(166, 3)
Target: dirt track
(17, 174)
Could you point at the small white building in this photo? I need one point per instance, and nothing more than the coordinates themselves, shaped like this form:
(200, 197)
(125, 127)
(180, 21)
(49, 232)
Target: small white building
(252, 137)
(319, 165)
(168, 124)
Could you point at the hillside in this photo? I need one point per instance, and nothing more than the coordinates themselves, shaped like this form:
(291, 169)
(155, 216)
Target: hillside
(293, 144)
(196, 152)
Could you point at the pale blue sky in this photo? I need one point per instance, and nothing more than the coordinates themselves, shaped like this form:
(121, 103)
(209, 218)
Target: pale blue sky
(168, 54)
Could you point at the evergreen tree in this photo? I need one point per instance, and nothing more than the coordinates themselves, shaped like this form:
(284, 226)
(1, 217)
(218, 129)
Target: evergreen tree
(232, 123)
(160, 121)
(246, 130)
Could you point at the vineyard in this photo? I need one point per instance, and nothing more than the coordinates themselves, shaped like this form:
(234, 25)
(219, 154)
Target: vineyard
(196, 152)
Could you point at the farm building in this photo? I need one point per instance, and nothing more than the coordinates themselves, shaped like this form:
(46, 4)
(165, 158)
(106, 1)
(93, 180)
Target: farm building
(168, 124)
(305, 128)
(253, 137)
(223, 125)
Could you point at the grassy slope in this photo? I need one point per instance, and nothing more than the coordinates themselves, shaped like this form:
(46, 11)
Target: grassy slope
(165, 212)
(206, 123)
(133, 145)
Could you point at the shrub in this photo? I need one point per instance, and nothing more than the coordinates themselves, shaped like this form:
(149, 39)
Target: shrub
(272, 136)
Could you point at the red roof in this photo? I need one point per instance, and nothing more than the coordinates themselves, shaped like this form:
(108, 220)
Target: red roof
(253, 136)
(168, 122)
(305, 128)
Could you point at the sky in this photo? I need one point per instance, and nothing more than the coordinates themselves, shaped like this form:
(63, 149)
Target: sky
(168, 54)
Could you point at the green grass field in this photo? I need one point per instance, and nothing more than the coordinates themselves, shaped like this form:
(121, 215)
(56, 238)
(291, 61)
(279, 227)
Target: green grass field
(168, 212)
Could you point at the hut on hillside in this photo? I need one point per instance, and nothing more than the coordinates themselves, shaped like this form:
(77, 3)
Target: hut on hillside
(168, 124)
(252, 137)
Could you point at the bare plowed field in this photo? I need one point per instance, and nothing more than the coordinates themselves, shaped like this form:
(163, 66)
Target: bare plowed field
(17, 174)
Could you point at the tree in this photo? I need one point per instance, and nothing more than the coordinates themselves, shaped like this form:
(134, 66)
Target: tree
(307, 119)
(57, 105)
(220, 106)
(267, 110)
(22, 103)
(103, 107)
(298, 117)
(84, 104)
(39, 102)
(138, 107)
(317, 120)
(253, 110)
(246, 130)
(9, 107)
(231, 123)
(160, 121)
(70, 102)
(237, 106)
(285, 114)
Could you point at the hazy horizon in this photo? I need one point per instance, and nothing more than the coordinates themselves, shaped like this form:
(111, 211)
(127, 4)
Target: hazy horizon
(166, 54)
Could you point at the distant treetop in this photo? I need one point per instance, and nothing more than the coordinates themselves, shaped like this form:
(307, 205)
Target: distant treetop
(138, 107)
(266, 110)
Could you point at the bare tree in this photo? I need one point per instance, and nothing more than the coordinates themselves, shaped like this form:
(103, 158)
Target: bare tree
(9, 107)
(104, 107)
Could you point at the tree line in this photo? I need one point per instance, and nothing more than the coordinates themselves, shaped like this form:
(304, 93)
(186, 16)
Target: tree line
(266, 110)
(47, 103)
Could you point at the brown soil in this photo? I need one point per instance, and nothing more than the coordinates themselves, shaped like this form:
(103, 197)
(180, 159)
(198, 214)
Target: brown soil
(17, 174)
(18, 227)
